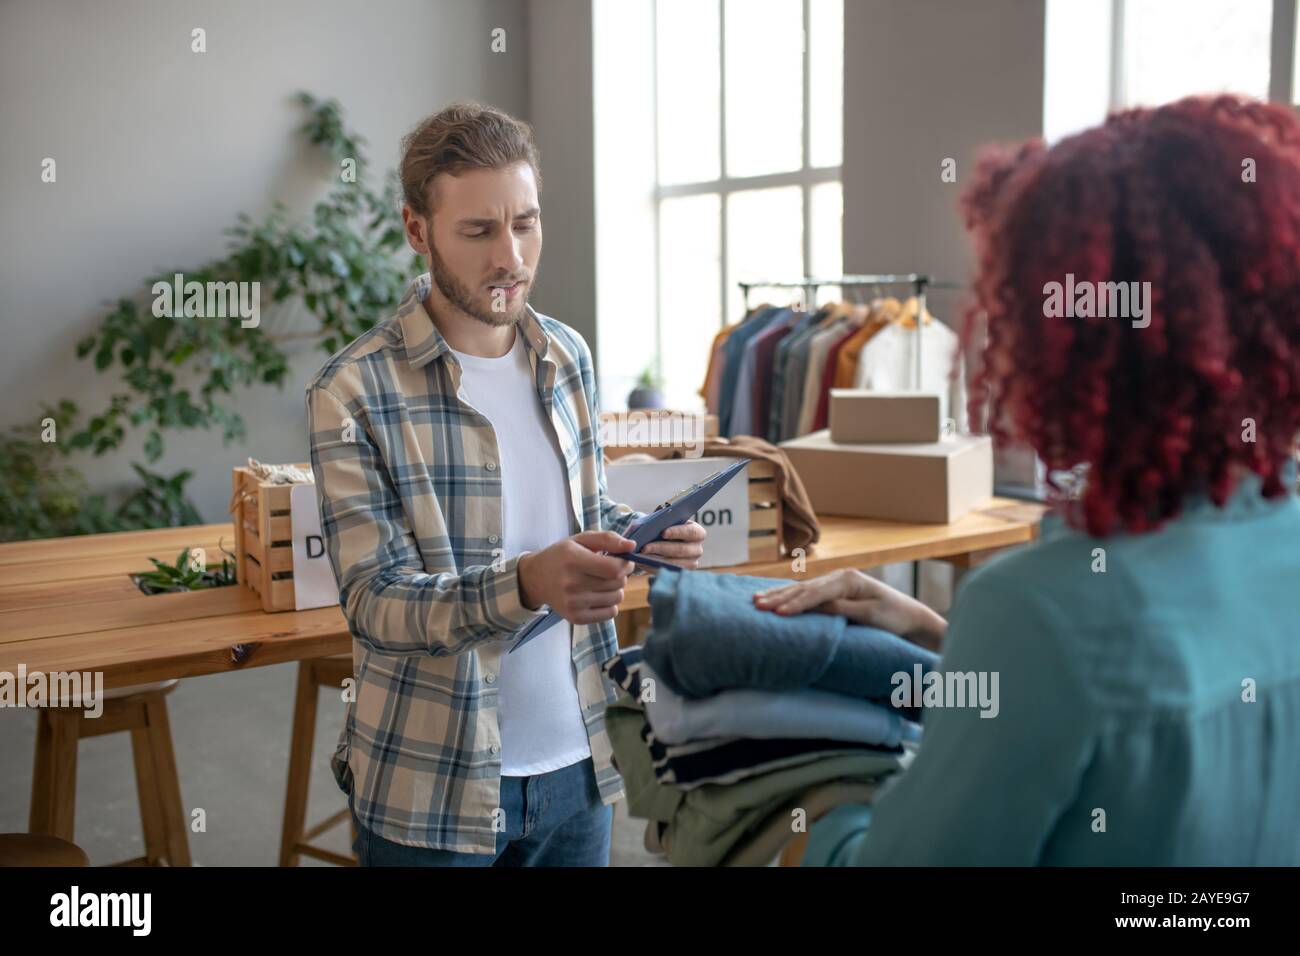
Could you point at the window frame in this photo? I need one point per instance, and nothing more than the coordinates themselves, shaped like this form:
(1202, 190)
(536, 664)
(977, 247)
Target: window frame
(1282, 55)
(724, 186)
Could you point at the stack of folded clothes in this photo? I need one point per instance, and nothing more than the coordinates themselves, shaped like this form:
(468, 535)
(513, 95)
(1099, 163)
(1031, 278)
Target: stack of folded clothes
(733, 720)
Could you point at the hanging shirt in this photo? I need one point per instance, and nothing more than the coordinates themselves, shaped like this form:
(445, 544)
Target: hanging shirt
(764, 367)
(780, 370)
(796, 372)
(887, 363)
(734, 352)
(822, 416)
(743, 406)
(538, 706)
(713, 374)
(883, 311)
(817, 354)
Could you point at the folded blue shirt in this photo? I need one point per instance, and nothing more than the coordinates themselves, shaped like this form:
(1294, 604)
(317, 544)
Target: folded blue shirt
(772, 715)
(707, 636)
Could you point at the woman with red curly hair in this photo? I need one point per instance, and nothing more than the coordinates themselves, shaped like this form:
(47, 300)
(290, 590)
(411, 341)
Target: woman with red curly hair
(1147, 646)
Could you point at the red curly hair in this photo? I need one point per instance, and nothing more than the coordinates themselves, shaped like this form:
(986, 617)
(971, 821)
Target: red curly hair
(1160, 196)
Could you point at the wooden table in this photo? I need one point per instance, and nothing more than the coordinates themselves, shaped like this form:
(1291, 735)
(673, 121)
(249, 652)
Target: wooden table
(68, 604)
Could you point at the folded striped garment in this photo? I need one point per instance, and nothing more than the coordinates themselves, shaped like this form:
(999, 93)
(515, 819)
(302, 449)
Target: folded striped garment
(726, 760)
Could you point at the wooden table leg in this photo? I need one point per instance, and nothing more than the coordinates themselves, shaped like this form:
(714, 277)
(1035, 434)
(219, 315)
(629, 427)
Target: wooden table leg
(146, 785)
(38, 819)
(174, 819)
(62, 805)
(302, 737)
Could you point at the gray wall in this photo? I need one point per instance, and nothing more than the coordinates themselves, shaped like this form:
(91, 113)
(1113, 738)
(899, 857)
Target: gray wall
(925, 80)
(560, 109)
(158, 148)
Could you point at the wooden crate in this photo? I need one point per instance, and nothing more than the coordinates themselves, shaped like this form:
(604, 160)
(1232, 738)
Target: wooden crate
(766, 542)
(263, 538)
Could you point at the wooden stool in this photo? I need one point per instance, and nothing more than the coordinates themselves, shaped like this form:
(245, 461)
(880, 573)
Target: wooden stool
(143, 711)
(35, 849)
(294, 841)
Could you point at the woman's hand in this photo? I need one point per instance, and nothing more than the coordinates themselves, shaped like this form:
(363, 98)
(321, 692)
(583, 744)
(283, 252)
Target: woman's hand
(679, 545)
(860, 598)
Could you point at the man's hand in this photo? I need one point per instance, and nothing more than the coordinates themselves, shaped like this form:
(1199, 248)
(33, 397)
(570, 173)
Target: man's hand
(579, 584)
(679, 545)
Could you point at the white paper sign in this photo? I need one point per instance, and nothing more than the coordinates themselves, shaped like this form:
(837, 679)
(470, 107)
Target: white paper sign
(313, 578)
(646, 485)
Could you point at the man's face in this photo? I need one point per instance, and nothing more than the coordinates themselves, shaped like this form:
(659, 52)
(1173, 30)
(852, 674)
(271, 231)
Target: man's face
(485, 238)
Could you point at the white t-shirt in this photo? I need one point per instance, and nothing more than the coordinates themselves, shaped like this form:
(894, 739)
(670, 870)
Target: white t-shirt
(537, 705)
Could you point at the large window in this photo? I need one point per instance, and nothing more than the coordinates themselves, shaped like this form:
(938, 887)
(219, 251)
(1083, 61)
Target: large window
(1195, 46)
(1157, 51)
(748, 103)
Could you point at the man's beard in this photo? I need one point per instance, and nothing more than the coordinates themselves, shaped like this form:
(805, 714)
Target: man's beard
(455, 292)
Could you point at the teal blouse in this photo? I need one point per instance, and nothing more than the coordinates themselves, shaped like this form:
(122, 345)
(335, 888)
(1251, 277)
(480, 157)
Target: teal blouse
(1149, 713)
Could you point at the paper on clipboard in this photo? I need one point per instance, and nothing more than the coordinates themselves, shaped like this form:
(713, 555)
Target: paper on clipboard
(675, 510)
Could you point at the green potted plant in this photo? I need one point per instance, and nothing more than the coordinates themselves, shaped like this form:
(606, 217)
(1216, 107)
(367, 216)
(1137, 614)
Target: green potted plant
(182, 576)
(648, 392)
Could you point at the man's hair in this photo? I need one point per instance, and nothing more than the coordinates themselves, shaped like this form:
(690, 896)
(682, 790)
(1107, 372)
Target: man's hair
(460, 137)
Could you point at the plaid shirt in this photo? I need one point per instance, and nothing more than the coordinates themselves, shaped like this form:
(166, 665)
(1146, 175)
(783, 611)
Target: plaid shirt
(409, 488)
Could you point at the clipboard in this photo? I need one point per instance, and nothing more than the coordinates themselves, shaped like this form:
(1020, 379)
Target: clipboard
(676, 510)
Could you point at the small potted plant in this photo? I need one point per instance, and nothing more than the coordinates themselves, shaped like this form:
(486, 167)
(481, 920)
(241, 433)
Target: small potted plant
(648, 392)
(181, 576)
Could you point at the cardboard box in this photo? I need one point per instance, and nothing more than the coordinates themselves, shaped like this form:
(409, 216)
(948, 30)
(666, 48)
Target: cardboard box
(862, 415)
(931, 482)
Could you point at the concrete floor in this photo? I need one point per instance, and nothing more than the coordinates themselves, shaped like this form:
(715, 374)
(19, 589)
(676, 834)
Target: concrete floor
(231, 736)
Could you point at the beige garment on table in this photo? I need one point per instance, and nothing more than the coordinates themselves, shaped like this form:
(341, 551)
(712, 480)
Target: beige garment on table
(799, 526)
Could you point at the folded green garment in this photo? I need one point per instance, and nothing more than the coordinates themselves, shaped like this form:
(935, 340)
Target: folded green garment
(758, 847)
(707, 823)
(647, 798)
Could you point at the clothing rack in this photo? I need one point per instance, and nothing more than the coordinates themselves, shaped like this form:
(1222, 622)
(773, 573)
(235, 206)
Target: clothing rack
(919, 282)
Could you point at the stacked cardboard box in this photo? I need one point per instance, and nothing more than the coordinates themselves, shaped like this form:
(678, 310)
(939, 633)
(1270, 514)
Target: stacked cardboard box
(884, 457)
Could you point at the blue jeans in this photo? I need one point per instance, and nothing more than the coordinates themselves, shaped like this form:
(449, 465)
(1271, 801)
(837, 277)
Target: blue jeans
(551, 819)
